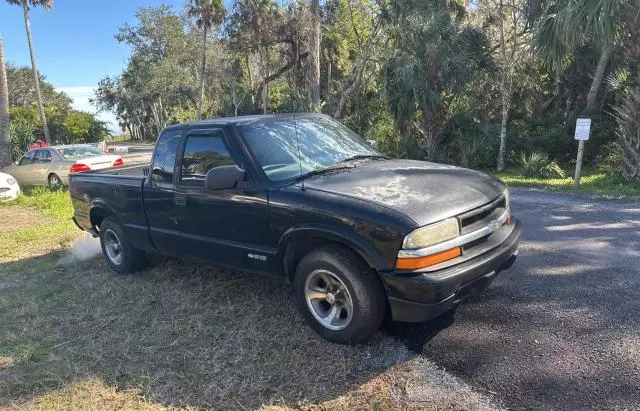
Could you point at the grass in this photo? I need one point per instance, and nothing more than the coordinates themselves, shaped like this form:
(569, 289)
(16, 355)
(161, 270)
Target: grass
(178, 335)
(38, 221)
(591, 182)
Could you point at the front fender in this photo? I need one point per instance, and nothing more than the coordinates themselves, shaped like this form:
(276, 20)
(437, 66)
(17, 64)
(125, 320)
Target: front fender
(349, 238)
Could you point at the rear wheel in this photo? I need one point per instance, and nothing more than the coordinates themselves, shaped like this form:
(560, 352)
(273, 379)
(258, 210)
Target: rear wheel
(340, 297)
(54, 182)
(121, 256)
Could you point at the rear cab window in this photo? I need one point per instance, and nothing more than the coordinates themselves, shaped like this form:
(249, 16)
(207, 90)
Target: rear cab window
(164, 158)
(203, 152)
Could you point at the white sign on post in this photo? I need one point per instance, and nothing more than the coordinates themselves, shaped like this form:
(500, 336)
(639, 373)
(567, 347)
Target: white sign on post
(583, 127)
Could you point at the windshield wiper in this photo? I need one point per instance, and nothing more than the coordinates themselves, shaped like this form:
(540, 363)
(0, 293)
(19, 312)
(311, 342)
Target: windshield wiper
(365, 157)
(334, 168)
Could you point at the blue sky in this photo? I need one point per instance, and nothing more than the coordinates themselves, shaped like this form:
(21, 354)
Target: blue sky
(74, 42)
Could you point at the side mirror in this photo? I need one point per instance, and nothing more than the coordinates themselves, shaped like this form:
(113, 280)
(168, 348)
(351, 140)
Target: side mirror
(224, 177)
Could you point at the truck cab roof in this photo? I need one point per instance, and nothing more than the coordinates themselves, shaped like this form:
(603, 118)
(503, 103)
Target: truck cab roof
(250, 119)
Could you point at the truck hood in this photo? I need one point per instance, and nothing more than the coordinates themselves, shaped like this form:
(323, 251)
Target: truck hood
(425, 192)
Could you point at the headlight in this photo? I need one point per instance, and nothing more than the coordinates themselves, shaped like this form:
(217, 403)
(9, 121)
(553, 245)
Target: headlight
(11, 181)
(432, 234)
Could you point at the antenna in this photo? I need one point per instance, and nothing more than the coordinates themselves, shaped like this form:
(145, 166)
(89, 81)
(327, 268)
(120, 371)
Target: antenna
(295, 127)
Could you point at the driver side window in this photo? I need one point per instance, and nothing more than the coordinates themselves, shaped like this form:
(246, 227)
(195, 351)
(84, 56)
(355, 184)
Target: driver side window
(201, 154)
(27, 159)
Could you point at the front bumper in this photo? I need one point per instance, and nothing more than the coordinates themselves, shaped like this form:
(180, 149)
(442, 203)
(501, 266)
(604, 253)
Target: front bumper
(418, 297)
(11, 193)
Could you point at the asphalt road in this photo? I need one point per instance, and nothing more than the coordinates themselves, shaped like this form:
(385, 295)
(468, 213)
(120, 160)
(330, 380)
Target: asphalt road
(561, 328)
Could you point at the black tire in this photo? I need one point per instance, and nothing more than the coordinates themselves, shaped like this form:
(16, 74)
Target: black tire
(124, 258)
(368, 300)
(54, 182)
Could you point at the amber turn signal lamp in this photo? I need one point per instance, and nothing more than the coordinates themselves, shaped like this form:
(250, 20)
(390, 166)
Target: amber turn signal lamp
(422, 262)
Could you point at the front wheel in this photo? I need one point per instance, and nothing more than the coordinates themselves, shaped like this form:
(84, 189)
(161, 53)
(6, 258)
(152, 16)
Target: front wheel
(121, 256)
(340, 297)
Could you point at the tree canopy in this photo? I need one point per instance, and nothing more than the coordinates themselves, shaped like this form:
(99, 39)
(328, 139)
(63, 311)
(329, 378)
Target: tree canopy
(474, 83)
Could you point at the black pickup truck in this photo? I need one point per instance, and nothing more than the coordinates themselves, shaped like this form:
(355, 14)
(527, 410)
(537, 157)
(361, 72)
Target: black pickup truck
(360, 235)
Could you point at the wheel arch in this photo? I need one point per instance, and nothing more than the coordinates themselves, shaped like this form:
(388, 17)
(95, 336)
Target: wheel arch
(299, 241)
(98, 212)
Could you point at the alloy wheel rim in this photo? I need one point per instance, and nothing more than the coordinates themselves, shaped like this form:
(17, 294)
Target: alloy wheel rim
(113, 246)
(329, 300)
(54, 182)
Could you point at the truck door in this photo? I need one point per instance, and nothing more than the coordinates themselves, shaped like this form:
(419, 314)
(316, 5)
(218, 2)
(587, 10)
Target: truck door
(223, 226)
(159, 193)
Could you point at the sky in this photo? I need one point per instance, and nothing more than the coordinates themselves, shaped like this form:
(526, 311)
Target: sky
(74, 43)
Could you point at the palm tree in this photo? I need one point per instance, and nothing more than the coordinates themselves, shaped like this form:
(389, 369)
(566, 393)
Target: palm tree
(207, 14)
(5, 138)
(47, 4)
(563, 24)
(435, 57)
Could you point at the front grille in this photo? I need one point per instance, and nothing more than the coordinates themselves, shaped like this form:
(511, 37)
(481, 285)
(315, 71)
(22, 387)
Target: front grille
(480, 217)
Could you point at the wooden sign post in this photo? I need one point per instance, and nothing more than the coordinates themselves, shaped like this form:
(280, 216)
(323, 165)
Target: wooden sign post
(583, 128)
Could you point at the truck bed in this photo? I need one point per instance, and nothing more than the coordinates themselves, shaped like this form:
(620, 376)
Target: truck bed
(135, 170)
(120, 190)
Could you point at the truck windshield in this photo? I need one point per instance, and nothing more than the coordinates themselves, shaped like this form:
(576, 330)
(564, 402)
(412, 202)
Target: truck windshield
(322, 142)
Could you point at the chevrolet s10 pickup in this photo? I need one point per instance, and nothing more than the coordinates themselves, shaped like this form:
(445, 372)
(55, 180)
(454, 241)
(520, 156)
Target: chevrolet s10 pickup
(361, 236)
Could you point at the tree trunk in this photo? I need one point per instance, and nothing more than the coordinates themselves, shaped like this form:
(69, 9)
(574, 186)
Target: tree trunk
(265, 84)
(503, 127)
(346, 94)
(430, 141)
(314, 51)
(327, 55)
(5, 138)
(250, 76)
(557, 90)
(598, 76)
(34, 68)
(203, 66)
(265, 81)
(234, 95)
(504, 93)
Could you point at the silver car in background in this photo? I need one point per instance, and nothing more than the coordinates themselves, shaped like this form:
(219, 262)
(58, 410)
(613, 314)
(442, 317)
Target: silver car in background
(51, 166)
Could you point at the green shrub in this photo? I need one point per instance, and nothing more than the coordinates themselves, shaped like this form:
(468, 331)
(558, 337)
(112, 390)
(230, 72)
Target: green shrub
(22, 135)
(538, 165)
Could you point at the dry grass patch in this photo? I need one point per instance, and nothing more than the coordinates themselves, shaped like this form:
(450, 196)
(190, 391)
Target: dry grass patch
(178, 333)
(18, 218)
(39, 222)
(91, 395)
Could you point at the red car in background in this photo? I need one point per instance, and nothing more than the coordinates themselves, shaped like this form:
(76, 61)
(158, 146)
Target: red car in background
(39, 143)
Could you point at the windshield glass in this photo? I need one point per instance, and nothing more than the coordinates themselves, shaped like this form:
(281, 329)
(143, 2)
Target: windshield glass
(323, 143)
(80, 151)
